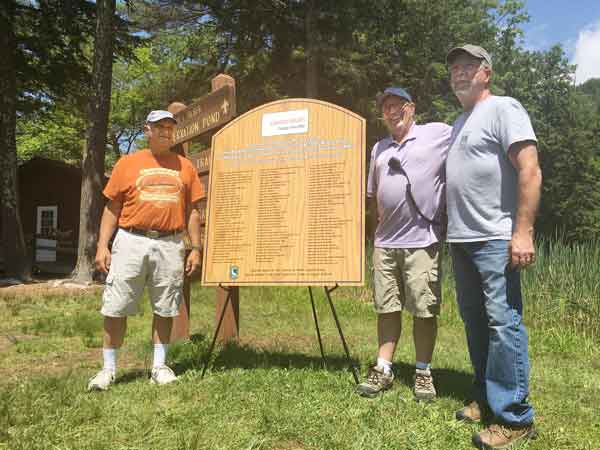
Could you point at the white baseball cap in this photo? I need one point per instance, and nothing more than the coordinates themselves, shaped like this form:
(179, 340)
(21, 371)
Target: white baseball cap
(158, 115)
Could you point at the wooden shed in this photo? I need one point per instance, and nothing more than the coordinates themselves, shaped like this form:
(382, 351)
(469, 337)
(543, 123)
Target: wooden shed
(49, 200)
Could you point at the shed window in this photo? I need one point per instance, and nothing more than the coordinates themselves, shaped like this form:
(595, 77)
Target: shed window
(47, 220)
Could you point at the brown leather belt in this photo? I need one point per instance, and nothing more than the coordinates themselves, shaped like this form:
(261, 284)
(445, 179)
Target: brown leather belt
(154, 234)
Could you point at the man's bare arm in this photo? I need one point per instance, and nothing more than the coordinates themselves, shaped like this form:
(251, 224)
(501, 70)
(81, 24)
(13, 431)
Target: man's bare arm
(372, 214)
(524, 157)
(194, 223)
(108, 224)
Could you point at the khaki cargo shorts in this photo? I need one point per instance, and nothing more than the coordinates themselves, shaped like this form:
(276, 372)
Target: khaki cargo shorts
(407, 279)
(139, 261)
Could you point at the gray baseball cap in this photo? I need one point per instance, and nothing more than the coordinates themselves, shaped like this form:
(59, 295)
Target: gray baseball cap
(158, 115)
(473, 50)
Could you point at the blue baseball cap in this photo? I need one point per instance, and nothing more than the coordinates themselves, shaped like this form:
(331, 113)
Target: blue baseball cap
(158, 115)
(396, 91)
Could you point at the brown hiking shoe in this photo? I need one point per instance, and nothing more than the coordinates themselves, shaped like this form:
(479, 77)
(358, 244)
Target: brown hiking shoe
(473, 412)
(377, 381)
(424, 389)
(498, 436)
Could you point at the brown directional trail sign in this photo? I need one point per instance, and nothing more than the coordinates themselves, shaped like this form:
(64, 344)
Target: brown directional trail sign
(211, 111)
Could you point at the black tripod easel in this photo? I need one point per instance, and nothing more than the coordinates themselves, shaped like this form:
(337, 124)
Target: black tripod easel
(328, 292)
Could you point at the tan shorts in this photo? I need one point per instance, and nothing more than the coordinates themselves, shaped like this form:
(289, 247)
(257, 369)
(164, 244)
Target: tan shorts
(407, 279)
(137, 262)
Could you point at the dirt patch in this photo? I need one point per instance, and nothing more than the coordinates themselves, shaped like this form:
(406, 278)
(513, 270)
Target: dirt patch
(57, 365)
(7, 340)
(47, 288)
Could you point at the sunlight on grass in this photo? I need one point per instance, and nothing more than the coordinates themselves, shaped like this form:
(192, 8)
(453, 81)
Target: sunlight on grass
(271, 390)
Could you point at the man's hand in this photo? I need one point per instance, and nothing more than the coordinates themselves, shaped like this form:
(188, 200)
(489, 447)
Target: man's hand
(522, 250)
(193, 262)
(103, 259)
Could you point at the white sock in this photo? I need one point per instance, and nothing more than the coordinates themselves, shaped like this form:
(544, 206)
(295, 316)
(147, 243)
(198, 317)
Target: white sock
(385, 365)
(423, 366)
(160, 355)
(110, 358)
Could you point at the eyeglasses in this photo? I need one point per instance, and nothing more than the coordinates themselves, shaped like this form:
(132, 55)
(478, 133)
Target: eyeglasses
(466, 68)
(389, 107)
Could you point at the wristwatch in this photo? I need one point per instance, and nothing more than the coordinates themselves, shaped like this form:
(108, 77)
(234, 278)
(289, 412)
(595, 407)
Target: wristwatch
(197, 247)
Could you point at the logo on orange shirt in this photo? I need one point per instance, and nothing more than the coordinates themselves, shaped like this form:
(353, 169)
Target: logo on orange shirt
(159, 185)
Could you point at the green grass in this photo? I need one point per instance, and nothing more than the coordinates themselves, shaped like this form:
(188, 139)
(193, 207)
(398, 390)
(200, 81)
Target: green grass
(270, 391)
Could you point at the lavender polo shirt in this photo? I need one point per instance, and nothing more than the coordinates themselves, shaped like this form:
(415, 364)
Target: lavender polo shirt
(423, 156)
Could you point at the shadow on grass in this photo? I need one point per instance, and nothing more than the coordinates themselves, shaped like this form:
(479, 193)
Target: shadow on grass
(132, 375)
(449, 383)
(236, 356)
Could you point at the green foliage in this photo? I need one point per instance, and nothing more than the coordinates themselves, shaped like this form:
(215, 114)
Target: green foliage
(55, 134)
(51, 42)
(53, 70)
(161, 72)
(356, 47)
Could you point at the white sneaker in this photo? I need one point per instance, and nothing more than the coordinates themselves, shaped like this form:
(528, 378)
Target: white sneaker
(162, 375)
(102, 380)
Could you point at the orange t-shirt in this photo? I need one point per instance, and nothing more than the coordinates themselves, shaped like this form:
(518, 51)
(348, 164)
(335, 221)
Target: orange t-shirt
(154, 190)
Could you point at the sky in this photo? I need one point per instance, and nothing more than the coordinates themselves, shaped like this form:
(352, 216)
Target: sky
(575, 24)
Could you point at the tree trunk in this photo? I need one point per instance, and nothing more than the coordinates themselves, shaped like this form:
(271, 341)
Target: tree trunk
(312, 90)
(15, 251)
(92, 180)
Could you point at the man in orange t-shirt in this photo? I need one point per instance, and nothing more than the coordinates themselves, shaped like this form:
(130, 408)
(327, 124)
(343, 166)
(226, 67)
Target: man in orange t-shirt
(151, 194)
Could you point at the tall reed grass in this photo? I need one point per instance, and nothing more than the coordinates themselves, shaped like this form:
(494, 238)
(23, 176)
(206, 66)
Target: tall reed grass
(561, 290)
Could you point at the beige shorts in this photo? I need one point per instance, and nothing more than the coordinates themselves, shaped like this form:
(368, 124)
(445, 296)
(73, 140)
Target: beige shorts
(137, 262)
(407, 279)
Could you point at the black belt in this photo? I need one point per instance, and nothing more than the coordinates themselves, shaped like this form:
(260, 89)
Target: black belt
(154, 234)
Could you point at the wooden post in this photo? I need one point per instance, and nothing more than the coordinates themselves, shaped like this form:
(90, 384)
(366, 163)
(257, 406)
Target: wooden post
(180, 330)
(230, 328)
(181, 324)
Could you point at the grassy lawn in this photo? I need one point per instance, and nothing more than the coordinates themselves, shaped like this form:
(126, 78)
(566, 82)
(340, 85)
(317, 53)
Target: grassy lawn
(270, 391)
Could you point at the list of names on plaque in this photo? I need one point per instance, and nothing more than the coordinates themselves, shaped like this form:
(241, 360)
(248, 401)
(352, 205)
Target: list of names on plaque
(327, 196)
(231, 207)
(274, 239)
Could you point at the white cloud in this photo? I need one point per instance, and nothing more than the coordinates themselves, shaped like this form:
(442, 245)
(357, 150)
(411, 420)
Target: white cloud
(587, 54)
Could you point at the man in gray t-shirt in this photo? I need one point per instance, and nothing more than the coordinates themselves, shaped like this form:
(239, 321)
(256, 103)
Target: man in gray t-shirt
(493, 191)
(405, 189)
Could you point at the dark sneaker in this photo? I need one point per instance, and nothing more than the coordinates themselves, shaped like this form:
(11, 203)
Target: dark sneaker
(377, 381)
(473, 412)
(424, 389)
(498, 436)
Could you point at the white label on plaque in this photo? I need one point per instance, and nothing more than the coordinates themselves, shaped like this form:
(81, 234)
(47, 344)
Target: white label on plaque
(288, 122)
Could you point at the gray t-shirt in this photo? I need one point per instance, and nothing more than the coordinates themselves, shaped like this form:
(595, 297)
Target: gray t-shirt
(422, 155)
(482, 183)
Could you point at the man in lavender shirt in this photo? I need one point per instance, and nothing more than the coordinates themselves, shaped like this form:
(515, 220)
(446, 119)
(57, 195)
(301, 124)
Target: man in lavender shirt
(406, 188)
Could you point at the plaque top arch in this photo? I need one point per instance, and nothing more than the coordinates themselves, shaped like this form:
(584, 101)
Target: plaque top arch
(286, 197)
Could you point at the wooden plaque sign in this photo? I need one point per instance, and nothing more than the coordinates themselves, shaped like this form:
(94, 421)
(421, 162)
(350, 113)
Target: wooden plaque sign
(286, 197)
